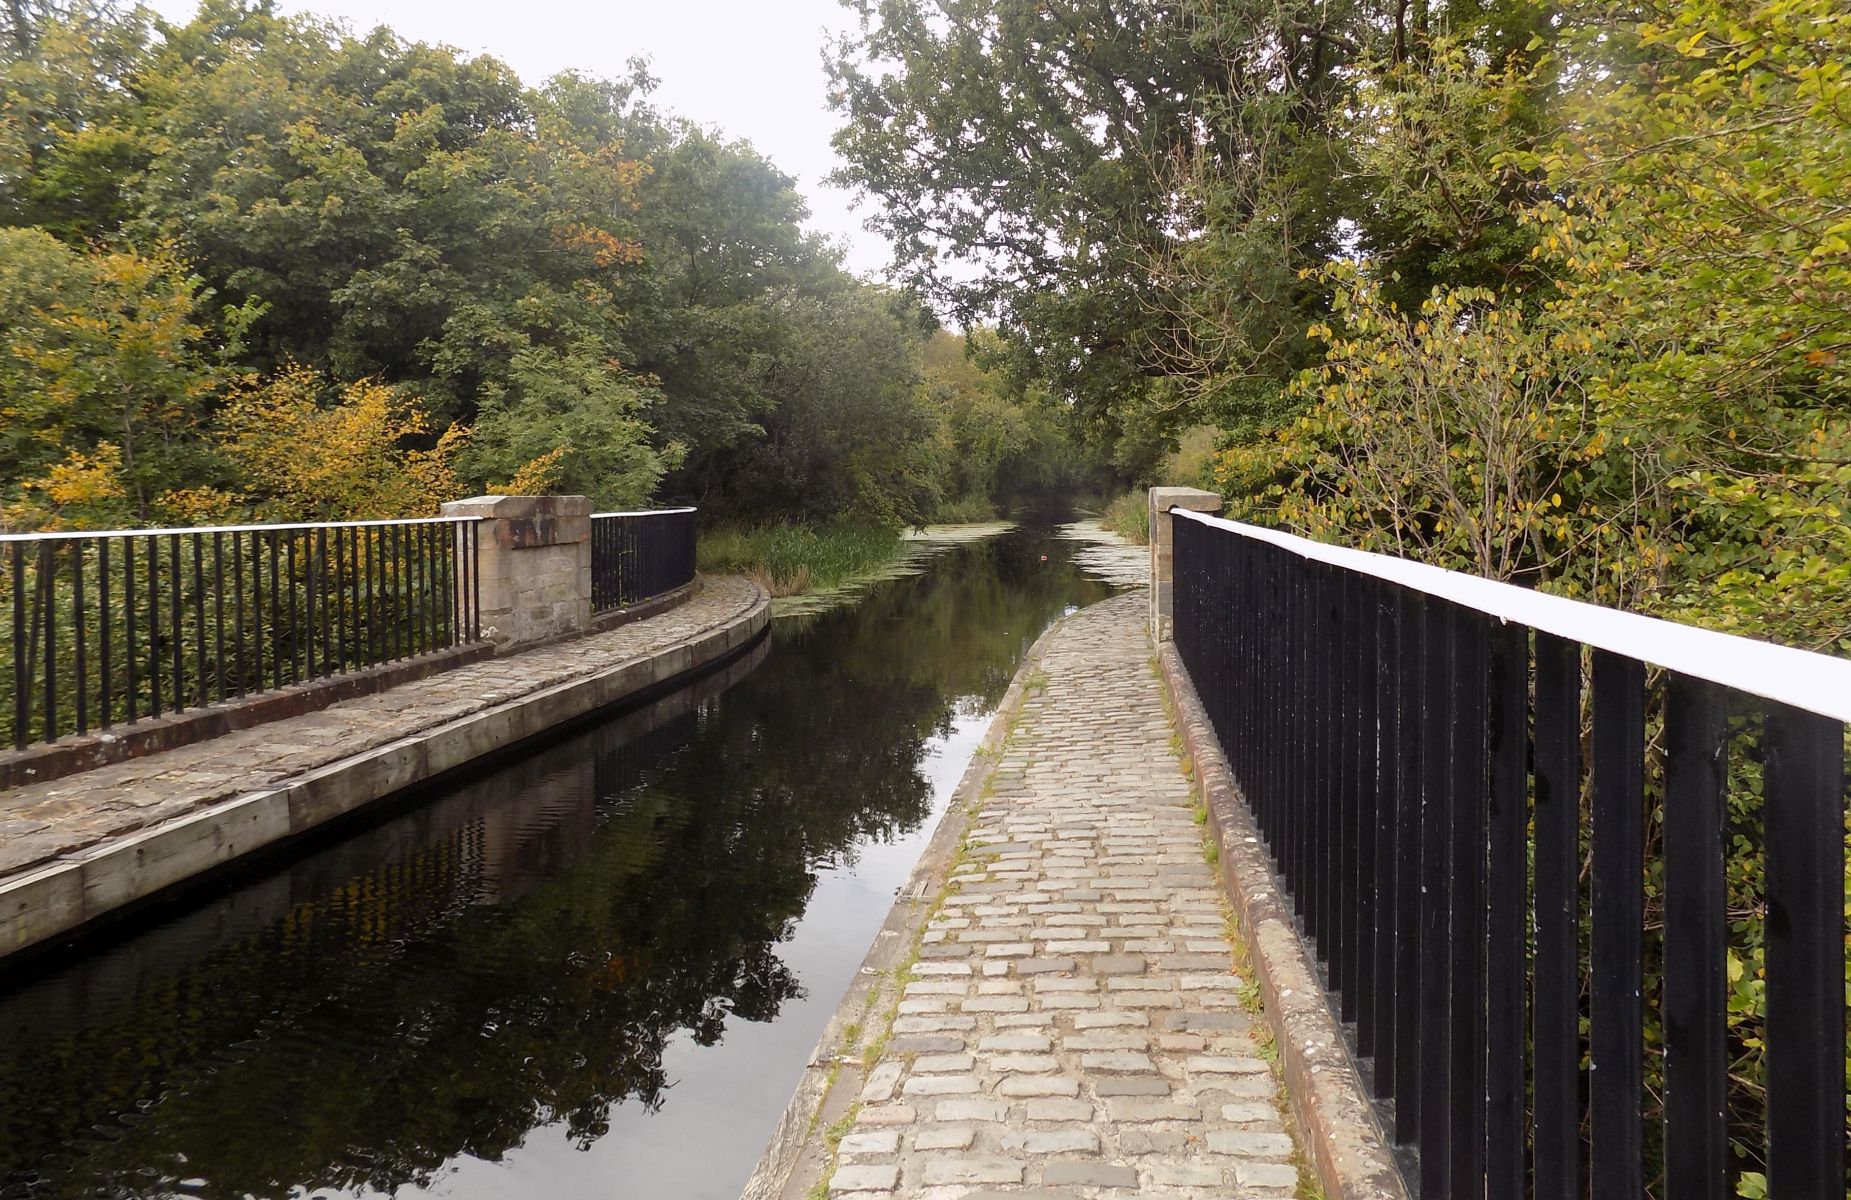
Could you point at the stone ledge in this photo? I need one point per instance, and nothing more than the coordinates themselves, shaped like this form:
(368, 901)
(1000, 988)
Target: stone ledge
(67, 893)
(611, 618)
(528, 522)
(1342, 1134)
(151, 735)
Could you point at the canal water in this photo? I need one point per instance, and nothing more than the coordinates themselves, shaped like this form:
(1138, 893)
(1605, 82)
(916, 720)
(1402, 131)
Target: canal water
(596, 969)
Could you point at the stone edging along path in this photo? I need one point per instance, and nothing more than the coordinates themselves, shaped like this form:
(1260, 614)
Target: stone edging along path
(87, 845)
(1054, 1007)
(1343, 1136)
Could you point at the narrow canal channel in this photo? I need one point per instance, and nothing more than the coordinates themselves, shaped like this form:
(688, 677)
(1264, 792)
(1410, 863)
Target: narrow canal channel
(595, 970)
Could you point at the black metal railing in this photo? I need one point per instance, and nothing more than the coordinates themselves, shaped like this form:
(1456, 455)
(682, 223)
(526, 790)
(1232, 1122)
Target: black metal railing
(1410, 743)
(637, 555)
(106, 629)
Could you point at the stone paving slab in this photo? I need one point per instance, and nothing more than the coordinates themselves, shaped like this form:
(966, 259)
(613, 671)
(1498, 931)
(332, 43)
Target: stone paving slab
(41, 822)
(1072, 1026)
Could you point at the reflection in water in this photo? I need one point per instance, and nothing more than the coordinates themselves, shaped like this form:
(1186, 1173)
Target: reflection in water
(526, 965)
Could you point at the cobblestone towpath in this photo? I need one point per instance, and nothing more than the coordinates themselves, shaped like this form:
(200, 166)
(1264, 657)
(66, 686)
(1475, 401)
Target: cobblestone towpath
(1073, 1026)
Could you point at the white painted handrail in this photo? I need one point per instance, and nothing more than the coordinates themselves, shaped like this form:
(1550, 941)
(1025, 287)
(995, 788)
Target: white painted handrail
(1818, 683)
(647, 512)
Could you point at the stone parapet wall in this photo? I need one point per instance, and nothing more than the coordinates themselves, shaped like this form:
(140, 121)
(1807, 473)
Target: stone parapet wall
(532, 565)
(1342, 1137)
(1163, 550)
(81, 848)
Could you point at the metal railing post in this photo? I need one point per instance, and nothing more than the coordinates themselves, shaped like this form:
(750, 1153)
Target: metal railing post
(204, 641)
(637, 556)
(1430, 816)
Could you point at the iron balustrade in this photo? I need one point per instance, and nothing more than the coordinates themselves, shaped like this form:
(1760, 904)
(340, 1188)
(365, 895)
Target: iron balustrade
(638, 555)
(109, 628)
(1410, 743)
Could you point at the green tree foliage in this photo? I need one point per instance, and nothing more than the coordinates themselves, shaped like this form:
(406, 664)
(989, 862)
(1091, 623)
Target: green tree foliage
(1673, 352)
(1038, 167)
(66, 74)
(846, 433)
(1444, 145)
(102, 372)
(568, 288)
(1135, 194)
(401, 212)
(1438, 436)
(1025, 138)
(1001, 445)
(1705, 259)
(725, 249)
(574, 424)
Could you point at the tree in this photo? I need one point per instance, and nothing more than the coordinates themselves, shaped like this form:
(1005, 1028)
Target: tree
(1140, 196)
(1705, 254)
(401, 212)
(847, 435)
(570, 422)
(1013, 147)
(349, 460)
(101, 349)
(1446, 147)
(724, 248)
(65, 75)
(998, 444)
(381, 244)
(1445, 435)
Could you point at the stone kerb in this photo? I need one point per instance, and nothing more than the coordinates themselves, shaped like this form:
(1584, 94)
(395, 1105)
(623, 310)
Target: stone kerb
(532, 565)
(1163, 550)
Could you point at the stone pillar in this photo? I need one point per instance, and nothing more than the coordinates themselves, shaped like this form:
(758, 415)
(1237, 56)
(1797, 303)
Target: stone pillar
(533, 565)
(1163, 550)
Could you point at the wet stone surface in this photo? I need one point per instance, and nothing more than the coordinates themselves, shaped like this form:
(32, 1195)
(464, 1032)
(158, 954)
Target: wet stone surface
(1087, 1034)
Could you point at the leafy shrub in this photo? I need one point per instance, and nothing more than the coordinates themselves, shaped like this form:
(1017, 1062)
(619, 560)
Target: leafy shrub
(1129, 517)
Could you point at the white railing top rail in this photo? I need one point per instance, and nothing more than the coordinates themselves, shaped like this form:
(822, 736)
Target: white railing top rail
(1818, 683)
(645, 512)
(79, 534)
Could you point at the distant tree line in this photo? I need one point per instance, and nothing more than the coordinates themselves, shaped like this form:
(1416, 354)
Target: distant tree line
(255, 265)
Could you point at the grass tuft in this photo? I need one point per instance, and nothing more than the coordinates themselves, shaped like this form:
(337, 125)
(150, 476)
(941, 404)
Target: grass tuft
(788, 559)
(970, 510)
(836, 1132)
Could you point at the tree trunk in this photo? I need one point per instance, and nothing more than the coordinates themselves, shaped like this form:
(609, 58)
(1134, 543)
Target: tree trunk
(22, 27)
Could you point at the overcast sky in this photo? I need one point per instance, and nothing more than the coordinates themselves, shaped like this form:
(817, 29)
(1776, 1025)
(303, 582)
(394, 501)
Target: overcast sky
(751, 67)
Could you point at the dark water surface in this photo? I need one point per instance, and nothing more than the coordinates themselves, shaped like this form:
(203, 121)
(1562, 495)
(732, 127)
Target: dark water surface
(596, 970)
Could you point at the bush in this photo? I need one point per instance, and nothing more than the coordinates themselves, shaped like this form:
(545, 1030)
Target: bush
(1129, 517)
(1192, 464)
